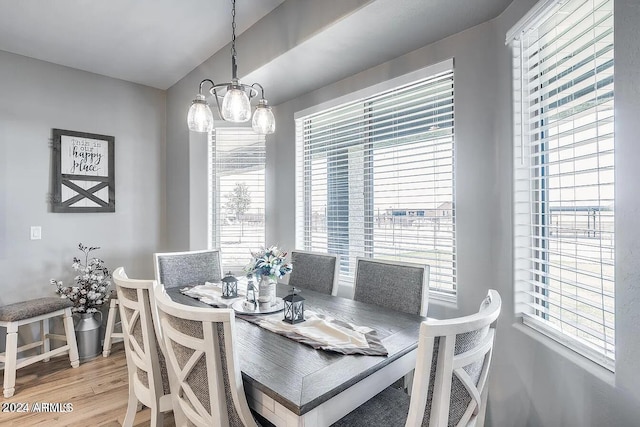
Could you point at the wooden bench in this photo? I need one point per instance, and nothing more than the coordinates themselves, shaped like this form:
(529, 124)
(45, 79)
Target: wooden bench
(41, 310)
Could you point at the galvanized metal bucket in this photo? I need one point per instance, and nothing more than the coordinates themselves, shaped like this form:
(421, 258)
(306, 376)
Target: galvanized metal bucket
(88, 336)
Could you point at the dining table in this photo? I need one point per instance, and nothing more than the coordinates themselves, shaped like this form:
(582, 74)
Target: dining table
(293, 384)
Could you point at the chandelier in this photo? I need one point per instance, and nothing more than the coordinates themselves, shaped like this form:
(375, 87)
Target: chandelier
(236, 99)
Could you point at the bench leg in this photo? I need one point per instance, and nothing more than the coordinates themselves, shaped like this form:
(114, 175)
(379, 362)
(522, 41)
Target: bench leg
(71, 338)
(11, 357)
(111, 322)
(46, 344)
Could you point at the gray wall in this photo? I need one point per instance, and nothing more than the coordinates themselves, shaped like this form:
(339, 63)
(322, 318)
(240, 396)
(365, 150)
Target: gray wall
(534, 379)
(184, 149)
(36, 97)
(535, 382)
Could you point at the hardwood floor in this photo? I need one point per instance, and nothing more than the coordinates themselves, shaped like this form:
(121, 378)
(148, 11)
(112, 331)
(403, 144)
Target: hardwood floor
(98, 391)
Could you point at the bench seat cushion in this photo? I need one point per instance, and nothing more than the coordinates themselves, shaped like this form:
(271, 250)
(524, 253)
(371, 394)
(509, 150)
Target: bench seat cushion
(32, 308)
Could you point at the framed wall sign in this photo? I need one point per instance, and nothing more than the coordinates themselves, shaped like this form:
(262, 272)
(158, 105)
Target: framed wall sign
(83, 172)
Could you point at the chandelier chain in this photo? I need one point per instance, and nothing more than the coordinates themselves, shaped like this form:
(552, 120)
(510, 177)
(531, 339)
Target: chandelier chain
(233, 29)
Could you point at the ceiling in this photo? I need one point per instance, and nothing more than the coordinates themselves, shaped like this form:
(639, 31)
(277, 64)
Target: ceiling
(151, 42)
(157, 42)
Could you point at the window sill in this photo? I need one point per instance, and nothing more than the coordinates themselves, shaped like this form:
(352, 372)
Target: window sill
(444, 300)
(583, 362)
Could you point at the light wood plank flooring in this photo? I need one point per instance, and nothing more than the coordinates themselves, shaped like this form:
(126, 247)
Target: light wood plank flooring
(98, 390)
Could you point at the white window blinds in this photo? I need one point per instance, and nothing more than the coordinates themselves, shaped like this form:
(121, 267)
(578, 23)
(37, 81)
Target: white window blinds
(564, 176)
(237, 195)
(375, 178)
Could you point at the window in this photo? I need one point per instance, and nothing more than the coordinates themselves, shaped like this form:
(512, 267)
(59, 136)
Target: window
(375, 178)
(564, 175)
(237, 194)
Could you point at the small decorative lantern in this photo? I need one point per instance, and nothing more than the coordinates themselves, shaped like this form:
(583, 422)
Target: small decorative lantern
(251, 291)
(229, 286)
(293, 308)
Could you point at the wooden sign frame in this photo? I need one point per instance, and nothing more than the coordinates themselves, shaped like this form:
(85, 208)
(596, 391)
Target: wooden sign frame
(83, 172)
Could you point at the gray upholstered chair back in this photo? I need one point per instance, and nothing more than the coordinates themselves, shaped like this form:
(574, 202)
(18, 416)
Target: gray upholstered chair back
(315, 271)
(454, 357)
(187, 268)
(401, 286)
(145, 359)
(205, 376)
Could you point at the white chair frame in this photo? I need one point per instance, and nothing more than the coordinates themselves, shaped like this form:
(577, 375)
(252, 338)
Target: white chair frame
(208, 348)
(137, 358)
(336, 273)
(448, 364)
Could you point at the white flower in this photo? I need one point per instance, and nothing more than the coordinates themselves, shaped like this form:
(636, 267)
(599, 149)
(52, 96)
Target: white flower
(82, 301)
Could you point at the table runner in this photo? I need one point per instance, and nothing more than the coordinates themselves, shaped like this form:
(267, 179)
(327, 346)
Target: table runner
(323, 332)
(211, 293)
(319, 331)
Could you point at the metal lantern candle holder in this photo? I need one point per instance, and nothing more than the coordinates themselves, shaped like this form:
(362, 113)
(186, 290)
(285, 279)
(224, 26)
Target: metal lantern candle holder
(229, 286)
(251, 292)
(293, 308)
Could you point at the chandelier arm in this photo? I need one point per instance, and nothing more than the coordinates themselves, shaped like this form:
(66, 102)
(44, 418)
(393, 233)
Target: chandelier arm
(216, 87)
(202, 84)
(215, 96)
(261, 89)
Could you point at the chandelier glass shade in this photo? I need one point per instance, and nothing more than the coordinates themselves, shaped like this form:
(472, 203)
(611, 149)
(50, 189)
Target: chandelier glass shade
(236, 99)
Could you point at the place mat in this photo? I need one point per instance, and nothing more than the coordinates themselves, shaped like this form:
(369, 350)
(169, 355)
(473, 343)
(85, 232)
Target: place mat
(211, 293)
(323, 332)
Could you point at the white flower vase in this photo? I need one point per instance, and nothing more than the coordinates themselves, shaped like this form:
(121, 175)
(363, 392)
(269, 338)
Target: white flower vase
(88, 336)
(267, 291)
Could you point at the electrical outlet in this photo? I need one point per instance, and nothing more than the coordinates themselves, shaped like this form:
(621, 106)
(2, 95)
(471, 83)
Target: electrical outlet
(36, 232)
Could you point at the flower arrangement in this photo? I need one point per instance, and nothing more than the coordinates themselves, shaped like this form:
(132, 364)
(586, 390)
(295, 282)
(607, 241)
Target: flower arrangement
(269, 262)
(91, 283)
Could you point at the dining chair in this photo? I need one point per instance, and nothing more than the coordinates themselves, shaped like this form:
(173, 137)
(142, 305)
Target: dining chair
(148, 377)
(401, 286)
(174, 269)
(316, 271)
(451, 375)
(204, 372)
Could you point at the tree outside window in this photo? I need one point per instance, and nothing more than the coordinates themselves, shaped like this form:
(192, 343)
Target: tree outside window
(238, 202)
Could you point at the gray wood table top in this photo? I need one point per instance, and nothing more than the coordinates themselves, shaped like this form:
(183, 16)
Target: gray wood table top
(300, 377)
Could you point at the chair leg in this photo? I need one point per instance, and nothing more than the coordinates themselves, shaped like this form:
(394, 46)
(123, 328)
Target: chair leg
(132, 406)
(178, 414)
(71, 338)
(157, 417)
(111, 321)
(11, 357)
(46, 344)
(408, 382)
